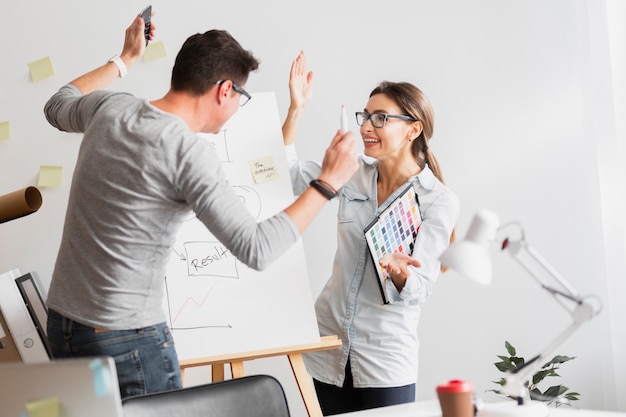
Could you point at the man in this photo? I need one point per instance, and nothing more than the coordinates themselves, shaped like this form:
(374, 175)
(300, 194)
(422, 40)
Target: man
(141, 168)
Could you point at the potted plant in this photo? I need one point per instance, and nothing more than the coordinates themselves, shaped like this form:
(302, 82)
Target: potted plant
(554, 395)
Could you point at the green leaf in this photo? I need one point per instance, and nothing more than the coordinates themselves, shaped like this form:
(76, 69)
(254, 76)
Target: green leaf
(558, 360)
(501, 382)
(505, 364)
(536, 395)
(555, 390)
(509, 348)
(572, 396)
(504, 367)
(517, 361)
(539, 376)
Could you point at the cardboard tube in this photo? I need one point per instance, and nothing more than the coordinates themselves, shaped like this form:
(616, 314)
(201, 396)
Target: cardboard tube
(19, 203)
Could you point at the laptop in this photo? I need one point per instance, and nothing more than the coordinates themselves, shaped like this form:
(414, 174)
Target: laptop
(62, 388)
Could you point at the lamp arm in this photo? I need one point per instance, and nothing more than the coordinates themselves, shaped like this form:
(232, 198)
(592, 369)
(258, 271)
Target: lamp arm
(539, 259)
(520, 251)
(515, 385)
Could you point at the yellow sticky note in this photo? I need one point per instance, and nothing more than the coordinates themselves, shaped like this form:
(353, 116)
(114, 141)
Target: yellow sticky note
(47, 407)
(154, 51)
(50, 176)
(40, 69)
(4, 130)
(263, 170)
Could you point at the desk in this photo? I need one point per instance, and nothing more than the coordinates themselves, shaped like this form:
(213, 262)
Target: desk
(431, 409)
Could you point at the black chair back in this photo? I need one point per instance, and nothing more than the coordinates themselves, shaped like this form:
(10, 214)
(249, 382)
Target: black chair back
(249, 396)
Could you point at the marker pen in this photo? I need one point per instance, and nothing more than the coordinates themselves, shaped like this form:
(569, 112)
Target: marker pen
(344, 119)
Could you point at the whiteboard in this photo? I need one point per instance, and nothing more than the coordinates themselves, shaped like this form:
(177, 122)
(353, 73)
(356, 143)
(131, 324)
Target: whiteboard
(216, 304)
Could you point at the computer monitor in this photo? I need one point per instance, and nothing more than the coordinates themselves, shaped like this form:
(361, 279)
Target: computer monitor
(34, 300)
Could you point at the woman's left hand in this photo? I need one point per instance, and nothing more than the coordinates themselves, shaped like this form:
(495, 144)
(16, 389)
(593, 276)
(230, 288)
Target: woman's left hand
(300, 82)
(396, 265)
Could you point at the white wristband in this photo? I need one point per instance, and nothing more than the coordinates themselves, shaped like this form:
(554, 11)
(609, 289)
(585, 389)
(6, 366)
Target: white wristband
(120, 65)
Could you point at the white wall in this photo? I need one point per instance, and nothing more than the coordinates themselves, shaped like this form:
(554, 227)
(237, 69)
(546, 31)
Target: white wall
(612, 154)
(523, 127)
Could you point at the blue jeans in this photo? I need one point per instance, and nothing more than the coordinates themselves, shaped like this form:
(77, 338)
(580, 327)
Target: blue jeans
(145, 359)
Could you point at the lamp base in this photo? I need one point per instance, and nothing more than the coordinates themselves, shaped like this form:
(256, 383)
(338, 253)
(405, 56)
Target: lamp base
(512, 409)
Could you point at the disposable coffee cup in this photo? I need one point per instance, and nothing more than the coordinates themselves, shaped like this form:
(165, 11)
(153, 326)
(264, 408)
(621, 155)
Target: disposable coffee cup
(456, 398)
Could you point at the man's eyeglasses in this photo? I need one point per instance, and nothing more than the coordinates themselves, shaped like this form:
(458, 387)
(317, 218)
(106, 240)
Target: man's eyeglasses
(378, 119)
(245, 96)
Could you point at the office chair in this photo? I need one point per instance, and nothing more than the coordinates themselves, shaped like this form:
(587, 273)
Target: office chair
(249, 396)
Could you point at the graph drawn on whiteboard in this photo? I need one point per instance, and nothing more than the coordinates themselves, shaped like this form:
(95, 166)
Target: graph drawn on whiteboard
(216, 304)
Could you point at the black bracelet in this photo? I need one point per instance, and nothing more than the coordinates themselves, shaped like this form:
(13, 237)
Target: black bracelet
(324, 188)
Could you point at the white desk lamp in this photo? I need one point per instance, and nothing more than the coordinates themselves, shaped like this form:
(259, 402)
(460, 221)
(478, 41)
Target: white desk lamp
(470, 257)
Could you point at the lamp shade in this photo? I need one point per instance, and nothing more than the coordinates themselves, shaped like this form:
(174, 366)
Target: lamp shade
(470, 256)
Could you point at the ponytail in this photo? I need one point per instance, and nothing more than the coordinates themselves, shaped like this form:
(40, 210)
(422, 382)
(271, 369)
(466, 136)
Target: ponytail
(432, 162)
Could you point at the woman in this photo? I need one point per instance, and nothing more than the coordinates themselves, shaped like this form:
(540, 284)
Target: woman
(378, 360)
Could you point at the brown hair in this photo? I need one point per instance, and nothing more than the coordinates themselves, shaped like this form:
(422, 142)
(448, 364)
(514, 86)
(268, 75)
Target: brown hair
(206, 58)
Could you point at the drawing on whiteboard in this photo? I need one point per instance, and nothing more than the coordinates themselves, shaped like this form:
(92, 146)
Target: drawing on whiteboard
(216, 304)
(220, 144)
(208, 257)
(209, 260)
(179, 322)
(251, 199)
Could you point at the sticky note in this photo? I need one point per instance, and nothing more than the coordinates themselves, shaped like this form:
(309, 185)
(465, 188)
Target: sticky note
(102, 378)
(263, 170)
(40, 69)
(47, 407)
(4, 130)
(154, 51)
(50, 176)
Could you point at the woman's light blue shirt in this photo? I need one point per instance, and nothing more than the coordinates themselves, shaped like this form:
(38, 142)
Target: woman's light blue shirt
(379, 339)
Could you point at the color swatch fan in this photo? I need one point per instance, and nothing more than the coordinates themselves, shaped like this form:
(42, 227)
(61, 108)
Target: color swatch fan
(394, 231)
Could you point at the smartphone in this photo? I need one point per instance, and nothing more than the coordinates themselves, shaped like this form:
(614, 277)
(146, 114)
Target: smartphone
(146, 14)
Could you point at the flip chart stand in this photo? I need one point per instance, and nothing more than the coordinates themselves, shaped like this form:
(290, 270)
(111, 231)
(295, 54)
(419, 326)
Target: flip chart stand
(293, 353)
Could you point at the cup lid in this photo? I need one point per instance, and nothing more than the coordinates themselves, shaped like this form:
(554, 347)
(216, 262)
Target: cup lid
(455, 385)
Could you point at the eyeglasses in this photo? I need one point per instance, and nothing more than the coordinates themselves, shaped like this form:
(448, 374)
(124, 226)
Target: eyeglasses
(378, 119)
(245, 96)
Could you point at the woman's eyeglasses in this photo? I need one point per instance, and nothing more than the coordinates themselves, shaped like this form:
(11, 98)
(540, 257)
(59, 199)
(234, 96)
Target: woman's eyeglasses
(378, 119)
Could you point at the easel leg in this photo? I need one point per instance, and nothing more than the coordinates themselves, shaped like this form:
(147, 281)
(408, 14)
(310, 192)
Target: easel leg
(217, 372)
(307, 391)
(236, 369)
